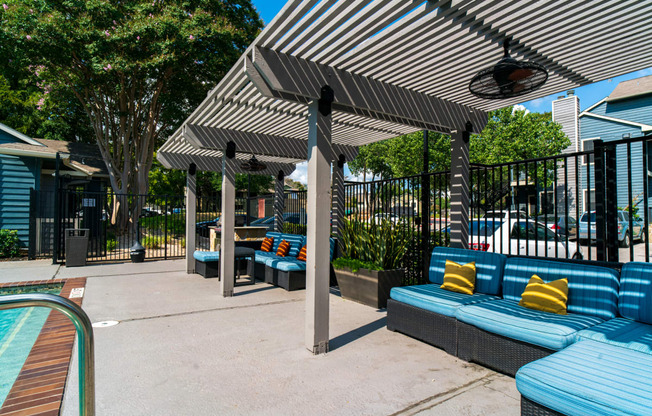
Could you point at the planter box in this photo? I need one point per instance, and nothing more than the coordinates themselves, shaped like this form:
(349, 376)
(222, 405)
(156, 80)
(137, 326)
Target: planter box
(370, 287)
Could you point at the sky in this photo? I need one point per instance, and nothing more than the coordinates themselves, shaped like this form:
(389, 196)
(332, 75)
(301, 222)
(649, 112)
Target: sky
(588, 94)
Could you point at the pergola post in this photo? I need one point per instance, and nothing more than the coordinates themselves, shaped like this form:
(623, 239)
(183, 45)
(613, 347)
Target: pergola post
(227, 249)
(191, 217)
(317, 264)
(338, 197)
(279, 202)
(460, 187)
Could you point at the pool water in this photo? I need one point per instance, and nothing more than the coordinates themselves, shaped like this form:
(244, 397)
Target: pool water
(19, 329)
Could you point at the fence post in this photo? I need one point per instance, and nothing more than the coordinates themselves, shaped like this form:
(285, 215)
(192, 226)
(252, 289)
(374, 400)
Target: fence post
(191, 209)
(57, 211)
(31, 242)
(600, 197)
(460, 187)
(279, 202)
(425, 210)
(611, 203)
(165, 225)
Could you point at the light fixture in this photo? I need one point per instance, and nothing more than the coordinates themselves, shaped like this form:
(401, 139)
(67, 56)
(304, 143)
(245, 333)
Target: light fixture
(508, 78)
(252, 165)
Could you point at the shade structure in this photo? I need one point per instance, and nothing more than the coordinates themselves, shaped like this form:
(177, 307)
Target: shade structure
(401, 66)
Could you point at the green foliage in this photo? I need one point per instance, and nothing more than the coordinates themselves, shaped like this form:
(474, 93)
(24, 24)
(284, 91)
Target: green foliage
(298, 229)
(136, 68)
(111, 244)
(9, 243)
(510, 135)
(353, 264)
(152, 242)
(176, 224)
(383, 244)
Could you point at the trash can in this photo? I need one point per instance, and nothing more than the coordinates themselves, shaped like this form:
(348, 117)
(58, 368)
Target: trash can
(76, 246)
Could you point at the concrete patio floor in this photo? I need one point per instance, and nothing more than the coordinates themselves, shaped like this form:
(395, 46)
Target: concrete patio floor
(180, 349)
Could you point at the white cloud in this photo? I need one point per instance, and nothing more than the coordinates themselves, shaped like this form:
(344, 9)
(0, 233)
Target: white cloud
(519, 107)
(301, 173)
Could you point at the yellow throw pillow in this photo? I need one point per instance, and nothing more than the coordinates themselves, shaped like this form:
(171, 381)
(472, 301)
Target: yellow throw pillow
(546, 297)
(458, 278)
(268, 242)
(303, 254)
(283, 249)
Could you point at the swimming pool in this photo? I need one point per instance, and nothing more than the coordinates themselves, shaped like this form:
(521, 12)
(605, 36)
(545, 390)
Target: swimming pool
(19, 329)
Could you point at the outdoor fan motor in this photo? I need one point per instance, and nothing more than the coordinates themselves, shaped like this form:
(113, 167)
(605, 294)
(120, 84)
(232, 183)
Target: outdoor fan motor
(253, 165)
(508, 78)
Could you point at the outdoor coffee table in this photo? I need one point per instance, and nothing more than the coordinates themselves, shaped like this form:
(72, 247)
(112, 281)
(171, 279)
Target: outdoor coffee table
(244, 253)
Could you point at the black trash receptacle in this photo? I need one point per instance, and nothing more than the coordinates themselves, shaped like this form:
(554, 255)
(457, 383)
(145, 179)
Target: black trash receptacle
(137, 253)
(76, 246)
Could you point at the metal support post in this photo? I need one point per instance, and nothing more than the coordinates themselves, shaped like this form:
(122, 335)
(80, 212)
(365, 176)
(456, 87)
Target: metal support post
(191, 218)
(227, 217)
(460, 187)
(600, 201)
(317, 264)
(611, 203)
(57, 211)
(425, 210)
(279, 202)
(338, 198)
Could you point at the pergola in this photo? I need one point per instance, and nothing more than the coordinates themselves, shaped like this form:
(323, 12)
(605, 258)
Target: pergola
(326, 76)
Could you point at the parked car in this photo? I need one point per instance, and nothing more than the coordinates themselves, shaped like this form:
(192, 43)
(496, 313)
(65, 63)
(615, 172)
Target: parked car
(382, 216)
(505, 215)
(558, 224)
(625, 235)
(524, 237)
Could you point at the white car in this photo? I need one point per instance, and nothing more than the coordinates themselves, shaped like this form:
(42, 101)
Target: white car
(384, 216)
(523, 237)
(505, 215)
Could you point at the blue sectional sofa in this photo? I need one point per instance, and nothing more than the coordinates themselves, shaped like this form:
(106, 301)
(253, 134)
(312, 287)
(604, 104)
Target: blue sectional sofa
(286, 272)
(427, 312)
(607, 371)
(596, 360)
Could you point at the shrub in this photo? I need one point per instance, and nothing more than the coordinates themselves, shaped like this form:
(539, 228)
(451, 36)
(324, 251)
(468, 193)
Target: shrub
(151, 242)
(353, 264)
(384, 244)
(111, 244)
(9, 243)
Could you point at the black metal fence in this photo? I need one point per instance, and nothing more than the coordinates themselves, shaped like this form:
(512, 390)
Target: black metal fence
(160, 227)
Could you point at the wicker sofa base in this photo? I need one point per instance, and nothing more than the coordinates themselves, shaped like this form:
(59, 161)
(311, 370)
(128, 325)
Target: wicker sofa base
(208, 269)
(433, 328)
(530, 408)
(495, 351)
(289, 281)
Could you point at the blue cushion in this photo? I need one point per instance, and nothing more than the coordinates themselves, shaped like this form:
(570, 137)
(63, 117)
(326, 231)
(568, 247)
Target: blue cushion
(635, 300)
(488, 267)
(623, 332)
(206, 256)
(505, 317)
(263, 256)
(296, 242)
(590, 378)
(286, 264)
(592, 290)
(434, 299)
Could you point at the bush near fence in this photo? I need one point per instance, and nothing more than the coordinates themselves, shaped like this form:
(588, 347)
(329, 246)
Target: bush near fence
(9, 243)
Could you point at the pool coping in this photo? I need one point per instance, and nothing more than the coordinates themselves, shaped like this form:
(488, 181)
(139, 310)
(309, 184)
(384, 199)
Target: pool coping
(39, 387)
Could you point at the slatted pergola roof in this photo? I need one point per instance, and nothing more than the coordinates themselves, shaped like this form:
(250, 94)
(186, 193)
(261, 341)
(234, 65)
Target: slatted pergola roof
(326, 76)
(402, 66)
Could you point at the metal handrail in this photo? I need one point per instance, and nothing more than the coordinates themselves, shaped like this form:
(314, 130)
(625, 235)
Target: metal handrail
(84, 339)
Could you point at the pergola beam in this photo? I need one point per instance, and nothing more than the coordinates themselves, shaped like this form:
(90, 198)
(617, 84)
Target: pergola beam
(214, 138)
(299, 80)
(172, 160)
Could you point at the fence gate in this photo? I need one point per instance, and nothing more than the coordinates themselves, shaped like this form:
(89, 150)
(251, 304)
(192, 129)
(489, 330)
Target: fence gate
(160, 227)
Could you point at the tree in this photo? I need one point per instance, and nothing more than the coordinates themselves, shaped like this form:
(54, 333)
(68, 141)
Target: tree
(137, 68)
(510, 135)
(513, 134)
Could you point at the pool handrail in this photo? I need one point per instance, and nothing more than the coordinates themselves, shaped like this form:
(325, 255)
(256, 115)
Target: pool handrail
(84, 339)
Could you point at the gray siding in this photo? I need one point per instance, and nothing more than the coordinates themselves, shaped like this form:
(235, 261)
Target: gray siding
(566, 111)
